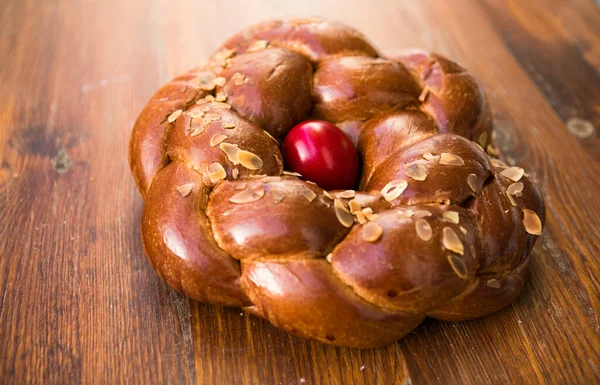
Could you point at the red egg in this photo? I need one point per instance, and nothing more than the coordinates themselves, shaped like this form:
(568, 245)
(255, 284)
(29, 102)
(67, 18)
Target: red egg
(323, 154)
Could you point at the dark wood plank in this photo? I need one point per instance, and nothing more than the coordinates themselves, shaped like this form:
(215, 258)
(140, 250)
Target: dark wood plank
(80, 304)
(557, 46)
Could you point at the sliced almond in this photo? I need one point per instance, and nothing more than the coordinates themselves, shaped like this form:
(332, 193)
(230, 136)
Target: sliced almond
(581, 128)
(194, 114)
(355, 206)
(347, 194)
(278, 196)
(271, 137)
(220, 81)
(429, 156)
(197, 126)
(309, 195)
(257, 45)
(473, 182)
(325, 200)
(231, 151)
(511, 199)
(451, 159)
(515, 189)
(483, 139)
(174, 115)
(494, 283)
(498, 163)
(532, 223)
(328, 257)
(452, 216)
(371, 232)
(220, 106)
(185, 189)
(235, 173)
(493, 150)
(291, 173)
(207, 80)
(463, 230)
(216, 172)
(194, 81)
(458, 265)
(207, 122)
(405, 213)
(249, 195)
(424, 93)
(204, 104)
(368, 213)
(513, 173)
(228, 125)
(423, 229)
(271, 179)
(212, 116)
(394, 189)
(223, 54)
(416, 171)
(217, 139)
(360, 217)
(451, 241)
(237, 79)
(221, 96)
(417, 214)
(249, 160)
(343, 215)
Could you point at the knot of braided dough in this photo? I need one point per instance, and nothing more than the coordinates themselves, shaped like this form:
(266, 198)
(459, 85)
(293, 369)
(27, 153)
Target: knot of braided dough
(437, 229)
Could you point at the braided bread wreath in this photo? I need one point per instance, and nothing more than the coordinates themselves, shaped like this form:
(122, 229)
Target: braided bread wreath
(437, 228)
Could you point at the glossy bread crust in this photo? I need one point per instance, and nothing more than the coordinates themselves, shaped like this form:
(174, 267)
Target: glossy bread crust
(439, 228)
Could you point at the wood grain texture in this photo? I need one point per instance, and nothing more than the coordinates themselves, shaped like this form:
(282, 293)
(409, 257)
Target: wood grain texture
(80, 304)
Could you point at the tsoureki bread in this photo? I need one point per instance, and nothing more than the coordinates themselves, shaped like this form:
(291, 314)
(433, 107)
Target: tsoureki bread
(437, 228)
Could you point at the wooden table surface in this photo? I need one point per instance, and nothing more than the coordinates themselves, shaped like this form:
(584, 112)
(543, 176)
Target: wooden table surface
(79, 303)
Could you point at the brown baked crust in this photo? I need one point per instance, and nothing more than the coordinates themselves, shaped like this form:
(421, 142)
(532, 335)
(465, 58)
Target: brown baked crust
(223, 224)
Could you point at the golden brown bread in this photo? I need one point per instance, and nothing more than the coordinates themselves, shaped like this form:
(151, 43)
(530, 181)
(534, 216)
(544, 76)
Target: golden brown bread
(437, 229)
